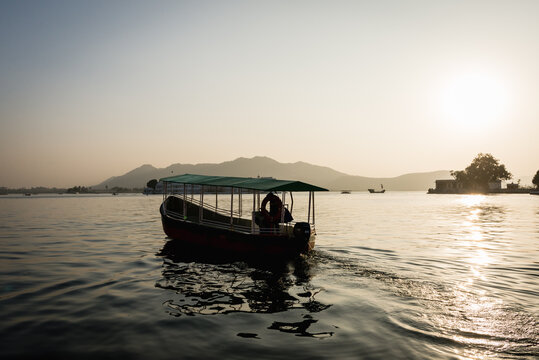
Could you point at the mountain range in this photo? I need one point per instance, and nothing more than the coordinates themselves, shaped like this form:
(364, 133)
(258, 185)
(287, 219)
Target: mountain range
(264, 166)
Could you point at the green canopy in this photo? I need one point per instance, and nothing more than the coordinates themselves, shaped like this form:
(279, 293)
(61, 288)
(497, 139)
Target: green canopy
(262, 184)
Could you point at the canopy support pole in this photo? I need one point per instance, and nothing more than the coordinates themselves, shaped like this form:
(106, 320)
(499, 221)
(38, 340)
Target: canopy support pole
(313, 207)
(253, 213)
(309, 212)
(284, 202)
(282, 213)
(240, 201)
(231, 207)
(184, 202)
(201, 211)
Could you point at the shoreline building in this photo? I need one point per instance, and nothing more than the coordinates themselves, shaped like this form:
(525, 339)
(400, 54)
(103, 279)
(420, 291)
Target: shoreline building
(452, 186)
(447, 186)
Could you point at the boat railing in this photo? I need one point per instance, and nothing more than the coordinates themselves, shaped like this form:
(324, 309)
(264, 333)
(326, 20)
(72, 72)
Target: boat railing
(207, 205)
(225, 223)
(221, 225)
(282, 229)
(174, 215)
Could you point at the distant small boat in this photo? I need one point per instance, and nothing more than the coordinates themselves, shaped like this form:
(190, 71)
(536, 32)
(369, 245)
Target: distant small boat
(114, 193)
(372, 191)
(345, 192)
(27, 194)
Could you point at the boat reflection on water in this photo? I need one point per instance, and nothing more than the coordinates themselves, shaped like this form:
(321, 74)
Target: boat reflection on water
(208, 284)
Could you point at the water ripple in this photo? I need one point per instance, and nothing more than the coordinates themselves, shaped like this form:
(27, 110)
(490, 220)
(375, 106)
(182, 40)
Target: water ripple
(402, 276)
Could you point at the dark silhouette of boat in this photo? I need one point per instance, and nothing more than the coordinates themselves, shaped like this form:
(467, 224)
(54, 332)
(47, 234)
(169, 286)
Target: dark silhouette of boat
(199, 221)
(372, 191)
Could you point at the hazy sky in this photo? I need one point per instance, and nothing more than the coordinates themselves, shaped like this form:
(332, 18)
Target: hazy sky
(92, 89)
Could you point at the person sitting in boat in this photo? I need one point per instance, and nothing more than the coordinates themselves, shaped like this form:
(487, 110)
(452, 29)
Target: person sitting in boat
(272, 218)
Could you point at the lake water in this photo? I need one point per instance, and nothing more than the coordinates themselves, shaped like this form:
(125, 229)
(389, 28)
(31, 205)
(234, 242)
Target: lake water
(400, 275)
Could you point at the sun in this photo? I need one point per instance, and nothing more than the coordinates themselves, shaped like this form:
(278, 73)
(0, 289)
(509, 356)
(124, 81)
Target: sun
(474, 101)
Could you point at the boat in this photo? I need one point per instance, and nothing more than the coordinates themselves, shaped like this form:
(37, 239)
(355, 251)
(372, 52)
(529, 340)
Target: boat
(191, 213)
(372, 191)
(345, 192)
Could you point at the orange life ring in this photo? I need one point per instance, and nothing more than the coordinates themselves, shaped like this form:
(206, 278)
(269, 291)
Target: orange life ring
(276, 218)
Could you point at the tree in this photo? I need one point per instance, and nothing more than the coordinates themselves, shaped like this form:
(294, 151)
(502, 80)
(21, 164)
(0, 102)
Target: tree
(459, 175)
(535, 180)
(152, 183)
(483, 169)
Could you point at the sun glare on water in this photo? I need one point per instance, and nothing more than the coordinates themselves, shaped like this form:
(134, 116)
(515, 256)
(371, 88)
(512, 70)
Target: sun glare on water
(474, 101)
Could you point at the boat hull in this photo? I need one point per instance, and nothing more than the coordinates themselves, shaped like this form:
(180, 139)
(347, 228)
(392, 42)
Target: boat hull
(228, 242)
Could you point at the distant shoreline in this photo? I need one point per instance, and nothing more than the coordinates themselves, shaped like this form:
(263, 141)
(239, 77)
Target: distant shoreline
(42, 190)
(496, 191)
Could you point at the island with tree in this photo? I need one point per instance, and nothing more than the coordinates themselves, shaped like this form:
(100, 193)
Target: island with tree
(484, 175)
(150, 187)
(535, 182)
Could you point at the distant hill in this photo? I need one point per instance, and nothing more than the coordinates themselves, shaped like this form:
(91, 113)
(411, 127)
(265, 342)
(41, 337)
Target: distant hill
(264, 166)
(407, 182)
